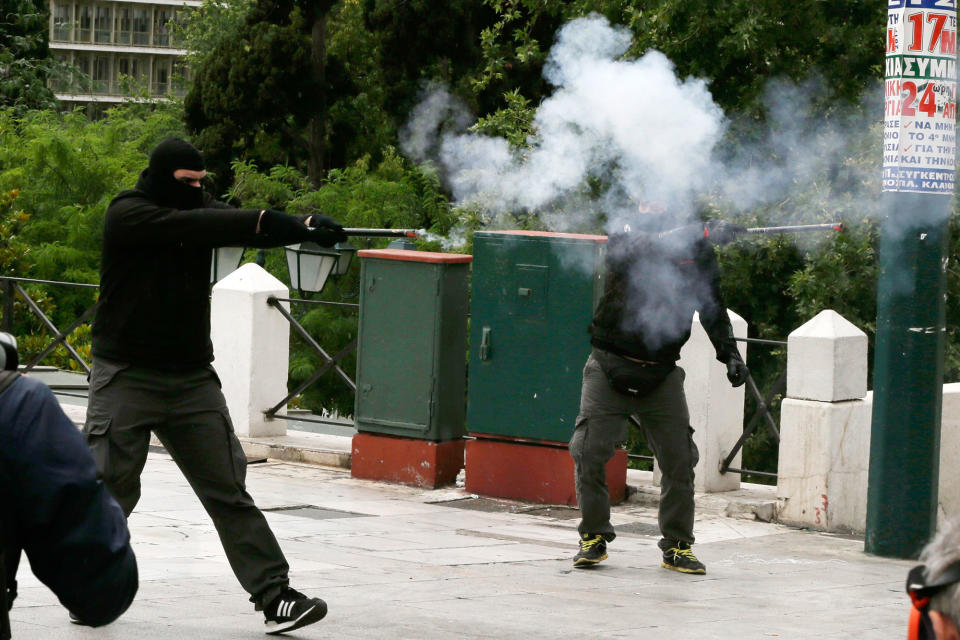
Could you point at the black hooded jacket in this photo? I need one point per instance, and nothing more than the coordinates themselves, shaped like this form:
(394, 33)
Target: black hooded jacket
(653, 286)
(154, 306)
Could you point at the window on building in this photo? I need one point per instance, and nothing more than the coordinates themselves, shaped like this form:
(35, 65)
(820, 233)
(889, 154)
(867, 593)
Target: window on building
(84, 30)
(161, 36)
(60, 81)
(83, 62)
(121, 25)
(62, 21)
(138, 68)
(161, 75)
(179, 78)
(101, 74)
(129, 74)
(141, 25)
(102, 24)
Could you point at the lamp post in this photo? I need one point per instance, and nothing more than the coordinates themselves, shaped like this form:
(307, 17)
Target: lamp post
(311, 265)
(225, 261)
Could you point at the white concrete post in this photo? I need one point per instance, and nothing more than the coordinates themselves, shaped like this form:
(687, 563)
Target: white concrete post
(251, 346)
(825, 427)
(716, 408)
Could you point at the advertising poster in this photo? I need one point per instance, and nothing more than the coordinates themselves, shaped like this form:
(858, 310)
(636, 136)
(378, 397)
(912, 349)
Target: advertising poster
(920, 89)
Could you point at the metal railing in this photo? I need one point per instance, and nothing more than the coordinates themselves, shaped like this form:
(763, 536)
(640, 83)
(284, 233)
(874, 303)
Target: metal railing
(762, 413)
(329, 362)
(12, 287)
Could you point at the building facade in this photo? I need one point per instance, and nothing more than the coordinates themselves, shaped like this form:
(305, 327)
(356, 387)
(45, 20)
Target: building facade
(121, 46)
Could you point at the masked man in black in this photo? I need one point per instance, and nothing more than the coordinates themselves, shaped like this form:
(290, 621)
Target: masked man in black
(656, 279)
(152, 359)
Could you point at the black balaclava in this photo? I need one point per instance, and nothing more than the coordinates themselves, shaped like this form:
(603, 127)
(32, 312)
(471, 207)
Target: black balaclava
(157, 179)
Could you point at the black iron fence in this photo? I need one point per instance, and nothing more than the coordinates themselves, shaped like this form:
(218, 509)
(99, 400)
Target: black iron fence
(761, 414)
(11, 288)
(329, 363)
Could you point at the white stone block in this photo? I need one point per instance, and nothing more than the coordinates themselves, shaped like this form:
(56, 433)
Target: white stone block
(824, 463)
(251, 345)
(950, 453)
(716, 408)
(827, 360)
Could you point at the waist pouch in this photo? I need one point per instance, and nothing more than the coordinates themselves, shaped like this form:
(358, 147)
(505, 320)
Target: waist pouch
(632, 378)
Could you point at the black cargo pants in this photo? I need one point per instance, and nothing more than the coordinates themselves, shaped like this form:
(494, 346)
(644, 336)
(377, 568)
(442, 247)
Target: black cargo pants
(602, 426)
(188, 413)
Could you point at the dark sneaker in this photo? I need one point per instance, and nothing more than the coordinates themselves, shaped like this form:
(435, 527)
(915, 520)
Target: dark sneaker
(75, 620)
(292, 610)
(593, 549)
(680, 558)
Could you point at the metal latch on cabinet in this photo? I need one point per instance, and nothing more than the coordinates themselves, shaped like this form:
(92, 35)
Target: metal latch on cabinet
(485, 344)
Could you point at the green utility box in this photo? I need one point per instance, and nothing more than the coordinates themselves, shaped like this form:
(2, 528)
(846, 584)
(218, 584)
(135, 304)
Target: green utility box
(533, 298)
(412, 343)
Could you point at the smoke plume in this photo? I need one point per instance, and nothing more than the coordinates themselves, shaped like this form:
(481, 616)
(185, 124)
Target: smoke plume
(634, 127)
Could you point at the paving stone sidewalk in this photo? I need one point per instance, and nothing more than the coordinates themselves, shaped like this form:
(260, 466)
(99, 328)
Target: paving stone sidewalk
(397, 562)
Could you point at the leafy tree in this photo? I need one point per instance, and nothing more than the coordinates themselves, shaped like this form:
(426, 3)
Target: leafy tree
(266, 91)
(25, 61)
(422, 42)
(65, 169)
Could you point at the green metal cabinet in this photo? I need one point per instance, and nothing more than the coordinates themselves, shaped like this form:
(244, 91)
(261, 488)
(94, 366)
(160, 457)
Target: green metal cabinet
(411, 369)
(533, 298)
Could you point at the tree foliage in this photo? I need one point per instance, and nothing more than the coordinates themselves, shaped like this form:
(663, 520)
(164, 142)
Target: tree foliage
(265, 91)
(59, 172)
(25, 61)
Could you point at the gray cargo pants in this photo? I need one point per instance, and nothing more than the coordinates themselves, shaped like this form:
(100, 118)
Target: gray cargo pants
(188, 413)
(602, 426)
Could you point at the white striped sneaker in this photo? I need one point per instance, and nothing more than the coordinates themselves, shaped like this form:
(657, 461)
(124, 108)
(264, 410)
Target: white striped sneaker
(292, 610)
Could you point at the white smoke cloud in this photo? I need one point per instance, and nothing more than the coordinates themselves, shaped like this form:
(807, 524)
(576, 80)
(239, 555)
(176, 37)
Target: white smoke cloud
(630, 120)
(437, 113)
(644, 132)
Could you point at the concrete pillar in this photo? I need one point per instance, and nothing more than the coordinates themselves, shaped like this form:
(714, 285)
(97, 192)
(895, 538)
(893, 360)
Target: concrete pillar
(825, 427)
(949, 494)
(251, 346)
(716, 408)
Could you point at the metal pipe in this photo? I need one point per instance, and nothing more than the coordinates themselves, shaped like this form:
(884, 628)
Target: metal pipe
(828, 226)
(382, 233)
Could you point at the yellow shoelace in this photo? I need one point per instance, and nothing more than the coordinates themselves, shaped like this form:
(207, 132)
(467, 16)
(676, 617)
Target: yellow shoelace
(586, 544)
(687, 553)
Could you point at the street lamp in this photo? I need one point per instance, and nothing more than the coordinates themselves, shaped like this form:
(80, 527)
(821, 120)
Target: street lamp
(225, 261)
(310, 264)
(347, 251)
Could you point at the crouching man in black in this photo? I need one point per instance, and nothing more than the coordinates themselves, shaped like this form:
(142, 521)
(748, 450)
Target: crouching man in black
(152, 359)
(655, 281)
(54, 508)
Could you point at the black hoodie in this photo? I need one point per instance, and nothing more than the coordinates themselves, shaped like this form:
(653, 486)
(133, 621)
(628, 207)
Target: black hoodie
(155, 277)
(653, 286)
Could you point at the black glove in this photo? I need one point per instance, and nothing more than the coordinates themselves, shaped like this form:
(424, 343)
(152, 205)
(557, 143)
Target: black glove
(721, 232)
(737, 371)
(326, 231)
(282, 228)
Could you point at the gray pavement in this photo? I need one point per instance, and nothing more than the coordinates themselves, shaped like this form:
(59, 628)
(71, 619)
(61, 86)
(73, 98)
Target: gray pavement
(399, 562)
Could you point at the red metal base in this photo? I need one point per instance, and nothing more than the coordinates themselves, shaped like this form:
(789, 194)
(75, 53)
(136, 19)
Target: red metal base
(539, 473)
(420, 463)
